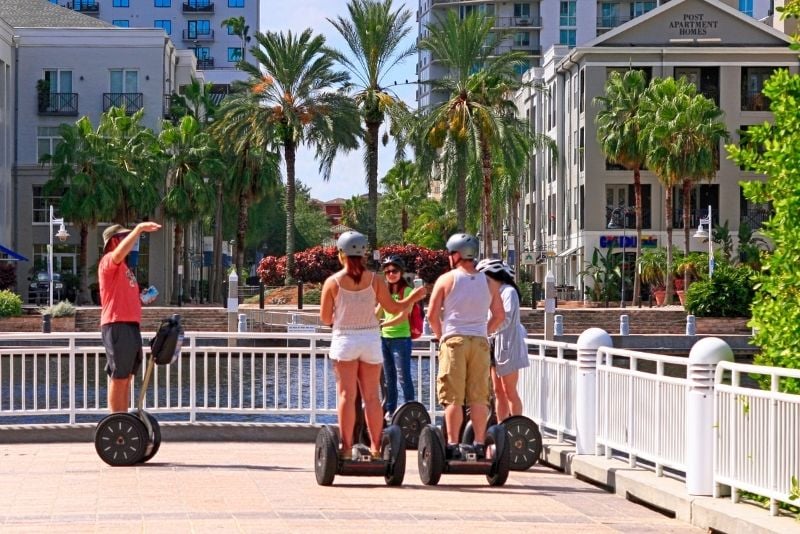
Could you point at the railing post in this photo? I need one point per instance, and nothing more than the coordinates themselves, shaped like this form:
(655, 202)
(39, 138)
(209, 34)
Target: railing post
(549, 305)
(703, 359)
(312, 394)
(72, 378)
(233, 305)
(193, 379)
(586, 389)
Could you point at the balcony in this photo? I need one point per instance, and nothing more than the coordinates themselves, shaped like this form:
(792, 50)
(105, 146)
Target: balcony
(58, 104)
(168, 107)
(533, 21)
(609, 22)
(85, 6)
(131, 102)
(198, 6)
(194, 35)
(205, 64)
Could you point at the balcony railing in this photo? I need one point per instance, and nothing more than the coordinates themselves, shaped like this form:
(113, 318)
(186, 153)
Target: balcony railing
(755, 215)
(198, 7)
(194, 35)
(65, 104)
(533, 21)
(611, 22)
(754, 101)
(131, 102)
(84, 6)
(205, 64)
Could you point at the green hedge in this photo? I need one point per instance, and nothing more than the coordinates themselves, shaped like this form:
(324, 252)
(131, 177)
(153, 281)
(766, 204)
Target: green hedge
(10, 304)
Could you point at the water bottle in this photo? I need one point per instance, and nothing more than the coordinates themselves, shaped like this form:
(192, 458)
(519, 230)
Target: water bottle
(149, 295)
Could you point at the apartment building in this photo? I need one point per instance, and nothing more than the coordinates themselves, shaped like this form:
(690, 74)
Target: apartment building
(59, 66)
(570, 198)
(534, 26)
(194, 25)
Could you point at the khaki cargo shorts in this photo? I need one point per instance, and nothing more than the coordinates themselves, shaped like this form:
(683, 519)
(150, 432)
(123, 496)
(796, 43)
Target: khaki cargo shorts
(463, 375)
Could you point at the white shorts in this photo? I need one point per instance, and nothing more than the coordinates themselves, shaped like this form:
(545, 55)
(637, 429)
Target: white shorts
(362, 345)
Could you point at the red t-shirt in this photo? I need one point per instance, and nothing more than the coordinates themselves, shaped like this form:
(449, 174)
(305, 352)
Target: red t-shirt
(119, 293)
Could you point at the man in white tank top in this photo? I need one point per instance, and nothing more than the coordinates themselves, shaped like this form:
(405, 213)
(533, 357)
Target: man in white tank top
(460, 304)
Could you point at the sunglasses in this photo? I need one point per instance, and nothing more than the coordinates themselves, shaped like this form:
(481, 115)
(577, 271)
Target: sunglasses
(390, 271)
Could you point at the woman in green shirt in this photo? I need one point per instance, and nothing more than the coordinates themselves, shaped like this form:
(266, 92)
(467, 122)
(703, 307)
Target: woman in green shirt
(396, 337)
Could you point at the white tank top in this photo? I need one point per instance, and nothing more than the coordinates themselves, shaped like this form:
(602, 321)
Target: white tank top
(354, 310)
(466, 306)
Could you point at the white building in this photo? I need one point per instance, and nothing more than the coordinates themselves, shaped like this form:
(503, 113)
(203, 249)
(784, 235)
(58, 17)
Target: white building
(569, 199)
(191, 24)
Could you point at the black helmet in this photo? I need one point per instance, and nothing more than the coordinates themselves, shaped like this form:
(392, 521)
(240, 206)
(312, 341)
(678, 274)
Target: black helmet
(394, 260)
(464, 244)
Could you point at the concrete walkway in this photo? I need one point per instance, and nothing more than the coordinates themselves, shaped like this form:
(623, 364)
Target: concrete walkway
(270, 487)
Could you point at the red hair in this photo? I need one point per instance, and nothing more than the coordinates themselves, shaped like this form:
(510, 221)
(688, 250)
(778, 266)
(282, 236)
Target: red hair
(354, 267)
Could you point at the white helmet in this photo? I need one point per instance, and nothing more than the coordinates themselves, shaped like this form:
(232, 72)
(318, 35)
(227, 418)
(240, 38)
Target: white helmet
(495, 266)
(352, 243)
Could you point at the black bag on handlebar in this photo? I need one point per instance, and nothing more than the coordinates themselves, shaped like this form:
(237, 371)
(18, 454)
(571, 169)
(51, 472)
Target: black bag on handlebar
(167, 343)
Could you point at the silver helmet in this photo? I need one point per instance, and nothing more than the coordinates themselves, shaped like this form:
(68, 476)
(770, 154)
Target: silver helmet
(495, 266)
(352, 243)
(464, 244)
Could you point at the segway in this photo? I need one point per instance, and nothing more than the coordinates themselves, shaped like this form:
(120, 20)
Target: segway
(433, 458)
(524, 439)
(122, 439)
(411, 417)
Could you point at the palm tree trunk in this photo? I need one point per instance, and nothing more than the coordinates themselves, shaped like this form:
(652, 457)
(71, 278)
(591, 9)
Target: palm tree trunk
(215, 277)
(373, 128)
(83, 296)
(486, 167)
(637, 193)
(177, 254)
(668, 210)
(687, 198)
(241, 230)
(186, 272)
(289, 150)
(461, 190)
(403, 223)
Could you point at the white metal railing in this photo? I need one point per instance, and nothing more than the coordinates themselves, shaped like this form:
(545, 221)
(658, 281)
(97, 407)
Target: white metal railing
(640, 409)
(547, 386)
(757, 432)
(249, 377)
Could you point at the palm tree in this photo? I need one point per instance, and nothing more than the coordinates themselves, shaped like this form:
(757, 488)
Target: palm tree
(404, 188)
(619, 126)
(189, 158)
(195, 100)
(354, 213)
(291, 92)
(374, 34)
(239, 27)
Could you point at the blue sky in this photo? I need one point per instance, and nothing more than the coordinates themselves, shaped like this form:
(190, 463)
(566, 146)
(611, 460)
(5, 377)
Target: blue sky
(347, 178)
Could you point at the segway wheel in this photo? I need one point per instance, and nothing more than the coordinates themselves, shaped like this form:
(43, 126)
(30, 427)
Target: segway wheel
(468, 435)
(325, 457)
(120, 439)
(154, 440)
(524, 442)
(393, 451)
(430, 456)
(411, 417)
(497, 442)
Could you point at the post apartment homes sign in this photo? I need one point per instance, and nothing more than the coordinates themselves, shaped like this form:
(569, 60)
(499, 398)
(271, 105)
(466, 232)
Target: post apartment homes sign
(693, 25)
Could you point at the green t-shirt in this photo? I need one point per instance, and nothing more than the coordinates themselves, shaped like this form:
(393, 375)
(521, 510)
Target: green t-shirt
(398, 330)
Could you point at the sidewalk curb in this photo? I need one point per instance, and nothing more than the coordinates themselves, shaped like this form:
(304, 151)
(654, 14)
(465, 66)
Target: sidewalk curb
(665, 494)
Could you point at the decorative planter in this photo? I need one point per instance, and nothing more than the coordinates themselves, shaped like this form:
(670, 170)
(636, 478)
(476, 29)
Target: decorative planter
(660, 296)
(681, 296)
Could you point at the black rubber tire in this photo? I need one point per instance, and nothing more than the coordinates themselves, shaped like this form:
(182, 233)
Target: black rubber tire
(393, 451)
(524, 442)
(120, 439)
(498, 472)
(326, 459)
(411, 417)
(153, 441)
(468, 435)
(430, 456)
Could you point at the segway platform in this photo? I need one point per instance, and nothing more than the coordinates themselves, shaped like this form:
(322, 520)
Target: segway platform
(434, 460)
(391, 465)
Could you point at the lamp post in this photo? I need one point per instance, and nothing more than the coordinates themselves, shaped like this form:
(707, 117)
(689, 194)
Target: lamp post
(705, 233)
(62, 236)
(506, 233)
(613, 225)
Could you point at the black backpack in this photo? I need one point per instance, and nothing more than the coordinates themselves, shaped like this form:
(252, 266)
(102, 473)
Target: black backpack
(167, 343)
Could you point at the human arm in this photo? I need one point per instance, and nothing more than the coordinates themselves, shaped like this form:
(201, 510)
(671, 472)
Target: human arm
(496, 309)
(395, 306)
(440, 290)
(128, 242)
(327, 299)
(401, 317)
(508, 296)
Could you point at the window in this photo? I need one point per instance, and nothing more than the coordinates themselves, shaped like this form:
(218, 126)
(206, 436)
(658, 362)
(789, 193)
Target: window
(566, 37)
(234, 54)
(162, 3)
(522, 67)
(753, 79)
(640, 8)
(624, 195)
(608, 15)
(582, 90)
(235, 3)
(746, 7)
(164, 24)
(47, 138)
(522, 10)
(702, 196)
(581, 149)
(42, 203)
(120, 3)
(121, 23)
(124, 81)
(230, 31)
(60, 80)
(754, 214)
(202, 52)
(65, 257)
(199, 27)
(522, 39)
(567, 14)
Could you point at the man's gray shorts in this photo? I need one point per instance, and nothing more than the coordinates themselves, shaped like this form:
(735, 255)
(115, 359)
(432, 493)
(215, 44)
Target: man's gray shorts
(123, 343)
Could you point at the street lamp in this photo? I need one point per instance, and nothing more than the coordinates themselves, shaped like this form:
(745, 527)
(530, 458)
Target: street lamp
(613, 225)
(62, 236)
(506, 233)
(705, 233)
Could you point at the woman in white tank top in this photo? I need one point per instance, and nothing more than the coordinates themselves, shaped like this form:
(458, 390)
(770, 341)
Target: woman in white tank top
(348, 305)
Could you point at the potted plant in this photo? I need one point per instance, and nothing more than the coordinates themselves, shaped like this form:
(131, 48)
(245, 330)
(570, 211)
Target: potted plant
(43, 94)
(652, 265)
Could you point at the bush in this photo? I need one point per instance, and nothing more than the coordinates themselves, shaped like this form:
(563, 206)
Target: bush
(10, 304)
(315, 264)
(8, 275)
(428, 264)
(729, 293)
(312, 296)
(60, 309)
(272, 270)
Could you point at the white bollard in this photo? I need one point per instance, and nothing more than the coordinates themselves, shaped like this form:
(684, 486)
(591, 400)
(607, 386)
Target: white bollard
(624, 325)
(242, 323)
(549, 304)
(233, 305)
(703, 360)
(691, 325)
(558, 325)
(586, 389)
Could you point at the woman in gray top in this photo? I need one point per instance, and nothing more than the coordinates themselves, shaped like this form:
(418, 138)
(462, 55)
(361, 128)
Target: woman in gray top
(510, 354)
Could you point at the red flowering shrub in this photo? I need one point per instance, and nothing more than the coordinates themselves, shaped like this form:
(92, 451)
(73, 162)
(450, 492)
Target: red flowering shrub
(272, 270)
(315, 264)
(427, 263)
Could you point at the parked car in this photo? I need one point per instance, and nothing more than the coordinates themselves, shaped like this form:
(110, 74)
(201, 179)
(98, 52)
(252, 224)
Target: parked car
(39, 288)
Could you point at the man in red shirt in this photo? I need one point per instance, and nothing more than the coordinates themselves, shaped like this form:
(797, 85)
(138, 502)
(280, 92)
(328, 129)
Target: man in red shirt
(121, 311)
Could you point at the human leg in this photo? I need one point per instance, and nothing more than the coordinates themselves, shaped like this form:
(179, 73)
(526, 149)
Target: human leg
(119, 393)
(403, 362)
(389, 375)
(451, 383)
(476, 354)
(500, 399)
(513, 401)
(123, 346)
(346, 389)
(369, 383)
